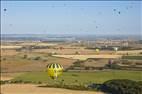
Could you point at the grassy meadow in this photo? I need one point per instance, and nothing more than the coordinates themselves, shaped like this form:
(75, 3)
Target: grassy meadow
(81, 77)
(132, 57)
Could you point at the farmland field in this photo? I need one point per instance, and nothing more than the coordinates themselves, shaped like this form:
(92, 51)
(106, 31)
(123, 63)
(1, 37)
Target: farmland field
(10, 47)
(133, 57)
(84, 57)
(8, 52)
(82, 77)
(34, 89)
(129, 51)
(38, 44)
(19, 64)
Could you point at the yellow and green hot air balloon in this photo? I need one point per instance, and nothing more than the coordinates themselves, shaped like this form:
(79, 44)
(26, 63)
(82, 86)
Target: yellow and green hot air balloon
(97, 50)
(54, 70)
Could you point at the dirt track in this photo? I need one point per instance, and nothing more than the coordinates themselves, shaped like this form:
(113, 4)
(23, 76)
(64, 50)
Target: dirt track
(33, 89)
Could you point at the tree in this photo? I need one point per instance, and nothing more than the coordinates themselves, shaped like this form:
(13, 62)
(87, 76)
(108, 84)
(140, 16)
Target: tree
(37, 58)
(122, 86)
(25, 56)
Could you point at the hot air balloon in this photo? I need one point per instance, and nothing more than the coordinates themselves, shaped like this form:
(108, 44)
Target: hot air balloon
(97, 50)
(119, 12)
(54, 70)
(114, 9)
(116, 49)
(5, 9)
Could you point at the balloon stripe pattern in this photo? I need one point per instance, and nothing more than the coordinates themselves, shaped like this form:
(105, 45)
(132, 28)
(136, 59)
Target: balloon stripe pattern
(54, 70)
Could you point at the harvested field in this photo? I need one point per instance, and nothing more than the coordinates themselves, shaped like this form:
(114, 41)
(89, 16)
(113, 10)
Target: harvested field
(84, 57)
(96, 63)
(10, 47)
(66, 51)
(8, 52)
(34, 89)
(9, 76)
(5, 78)
(129, 52)
(38, 44)
(19, 64)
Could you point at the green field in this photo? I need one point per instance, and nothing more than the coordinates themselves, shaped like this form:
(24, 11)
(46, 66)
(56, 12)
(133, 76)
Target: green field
(82, 77)
(132, 57)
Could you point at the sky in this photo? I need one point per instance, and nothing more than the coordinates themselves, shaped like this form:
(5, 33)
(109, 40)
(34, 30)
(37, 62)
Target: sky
(71, 17)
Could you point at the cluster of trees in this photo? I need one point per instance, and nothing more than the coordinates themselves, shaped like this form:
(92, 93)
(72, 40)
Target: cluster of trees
(112, 66)
(36, 58)
(80, 65)
(119, 86)
(124, 64)
(122, 86)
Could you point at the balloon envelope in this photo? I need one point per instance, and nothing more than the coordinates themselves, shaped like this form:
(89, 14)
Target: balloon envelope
(54, 70)
(115, 48)
(5, 9)
(97, 50)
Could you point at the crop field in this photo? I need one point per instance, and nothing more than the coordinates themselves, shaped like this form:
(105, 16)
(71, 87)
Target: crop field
(10, 47)
(34, 89)
(81, 77)
(83, 51)
(130, 52)
(132, 57)
(20, 62)
(66, 51)
(84, 57)
(8, 52)
(38, 44)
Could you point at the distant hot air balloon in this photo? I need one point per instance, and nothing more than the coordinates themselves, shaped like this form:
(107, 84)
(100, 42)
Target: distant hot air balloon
(4, 9)
(115, 48)
(106, 46)
(119, 12)
(97, 50)
(54, 70)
